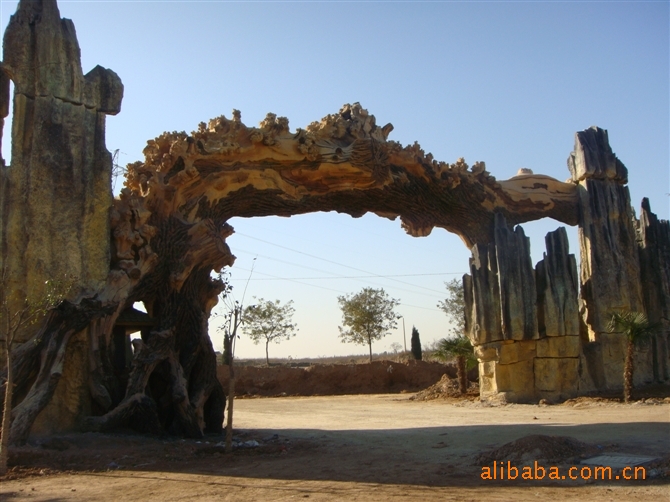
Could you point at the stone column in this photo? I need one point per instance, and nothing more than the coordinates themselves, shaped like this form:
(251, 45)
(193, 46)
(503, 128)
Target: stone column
(559, 347)
(501, 318)
(610, 271)
(654, 249)
(56, 195)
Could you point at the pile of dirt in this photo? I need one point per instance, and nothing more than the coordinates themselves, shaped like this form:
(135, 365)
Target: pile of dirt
(554, 449)
(447, 388)
(378, 377)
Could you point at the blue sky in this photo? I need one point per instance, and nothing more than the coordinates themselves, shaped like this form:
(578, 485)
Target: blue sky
(508, 83)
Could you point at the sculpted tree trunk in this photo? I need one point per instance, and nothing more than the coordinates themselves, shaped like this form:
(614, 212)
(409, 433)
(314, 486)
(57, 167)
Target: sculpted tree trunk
(462, 375)
(6, 414)
(628, 372)
(636, 328)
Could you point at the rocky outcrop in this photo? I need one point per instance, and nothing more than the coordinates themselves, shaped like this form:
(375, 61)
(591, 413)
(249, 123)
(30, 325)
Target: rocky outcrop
(557, 288)
(610, 274)
(538, 356)
(654, 251)
(594, 159)
(557, 363)
(516, 280)
(481, 291)
(610, 269)
(500, 290)
(56, 195)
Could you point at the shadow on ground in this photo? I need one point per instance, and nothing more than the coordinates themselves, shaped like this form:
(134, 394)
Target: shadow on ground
(428, 456)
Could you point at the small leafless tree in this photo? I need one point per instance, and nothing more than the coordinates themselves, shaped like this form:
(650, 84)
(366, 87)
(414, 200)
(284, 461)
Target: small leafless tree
(15, 318)
(232, 320)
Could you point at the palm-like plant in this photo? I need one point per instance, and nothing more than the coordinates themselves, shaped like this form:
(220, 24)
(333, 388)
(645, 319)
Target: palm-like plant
(460, 348)
(635, 327)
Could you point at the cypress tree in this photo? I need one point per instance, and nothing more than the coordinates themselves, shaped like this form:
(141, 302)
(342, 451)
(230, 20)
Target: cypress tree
(416, 344)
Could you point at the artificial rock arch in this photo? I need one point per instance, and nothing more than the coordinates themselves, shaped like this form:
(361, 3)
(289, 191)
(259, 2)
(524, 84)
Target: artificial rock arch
(159, 241)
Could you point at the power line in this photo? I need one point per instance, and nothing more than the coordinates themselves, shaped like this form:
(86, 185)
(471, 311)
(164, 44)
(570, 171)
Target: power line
(337, 276)
(336, 263)
(274, 277)
(357, 276)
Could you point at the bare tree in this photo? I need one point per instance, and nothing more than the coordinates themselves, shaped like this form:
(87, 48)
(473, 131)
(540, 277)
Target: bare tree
(15, 318)
(233, 317)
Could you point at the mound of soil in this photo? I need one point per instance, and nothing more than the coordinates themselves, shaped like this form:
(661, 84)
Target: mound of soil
(378, 377)
(554, 449)
(447, 388)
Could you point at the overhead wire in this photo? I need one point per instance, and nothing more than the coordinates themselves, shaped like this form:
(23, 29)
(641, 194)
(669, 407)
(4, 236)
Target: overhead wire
(336, 276)
(328, 289)
(371, 274)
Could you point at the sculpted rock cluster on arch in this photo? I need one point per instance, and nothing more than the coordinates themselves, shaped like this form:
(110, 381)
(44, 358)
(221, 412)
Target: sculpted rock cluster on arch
(342, 163)
(161, 239)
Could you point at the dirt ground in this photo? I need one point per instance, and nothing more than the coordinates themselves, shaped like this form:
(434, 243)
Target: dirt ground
(360, 447)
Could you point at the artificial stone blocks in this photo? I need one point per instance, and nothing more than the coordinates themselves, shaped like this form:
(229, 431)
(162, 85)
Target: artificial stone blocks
(524, 322)
(556, 375)
(558, 346)
(625, 265)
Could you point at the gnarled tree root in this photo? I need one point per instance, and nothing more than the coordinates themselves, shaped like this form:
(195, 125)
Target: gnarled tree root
(38, 363)
(139, 411)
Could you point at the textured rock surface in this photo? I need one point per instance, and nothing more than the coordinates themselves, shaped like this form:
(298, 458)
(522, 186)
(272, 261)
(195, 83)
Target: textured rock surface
(516, 278)
(71, 401)
(342, 163)
(593, 158)
(654, 249)
(56, 195)
(556, 377)
(610, 270)
(559, 346)
(516, 382)
(557, 288)
(500, 298)
(482, 296)
(610, 273)
(506, 352)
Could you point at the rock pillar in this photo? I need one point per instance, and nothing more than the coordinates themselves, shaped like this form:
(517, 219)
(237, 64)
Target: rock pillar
(654, 249)
(56, 195)
(610, 271)
(524, 322)
(501, 316)
(557, 362)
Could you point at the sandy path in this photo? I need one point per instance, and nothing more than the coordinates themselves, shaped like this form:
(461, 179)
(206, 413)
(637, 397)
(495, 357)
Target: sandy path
(380, 448)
